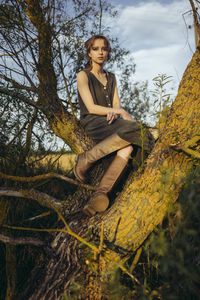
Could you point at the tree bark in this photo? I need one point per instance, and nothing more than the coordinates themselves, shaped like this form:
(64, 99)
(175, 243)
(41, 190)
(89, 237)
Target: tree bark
(140, 207)
(143, 202)
(63, 124)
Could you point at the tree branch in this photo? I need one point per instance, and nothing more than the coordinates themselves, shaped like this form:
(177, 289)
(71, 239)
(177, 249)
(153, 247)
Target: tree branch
(196, 23)
(22, 97)
(20, 50)
(17, 60)
(44, 177)
(186, 147)
(18, 85)
(21, 241)
(72, 20)
(65, 79)
(42, 198)
(18, 134)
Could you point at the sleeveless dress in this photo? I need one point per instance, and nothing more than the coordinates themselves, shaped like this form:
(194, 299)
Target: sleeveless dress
(97, 127)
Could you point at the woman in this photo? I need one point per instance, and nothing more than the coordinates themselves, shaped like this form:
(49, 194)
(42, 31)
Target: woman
(109, 125)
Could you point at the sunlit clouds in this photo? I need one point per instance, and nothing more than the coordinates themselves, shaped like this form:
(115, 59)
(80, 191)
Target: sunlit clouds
(156, 35)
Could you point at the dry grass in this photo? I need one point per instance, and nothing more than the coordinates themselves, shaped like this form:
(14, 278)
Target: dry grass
(61, 161)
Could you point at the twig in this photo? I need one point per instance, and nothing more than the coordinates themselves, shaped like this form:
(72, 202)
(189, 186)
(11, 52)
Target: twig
(20, 50)
(47, 213)
(42, 198)
(129, 274)
(135, 260)
(93, 247)
(185, 147)
(44, 177)
(21, 241)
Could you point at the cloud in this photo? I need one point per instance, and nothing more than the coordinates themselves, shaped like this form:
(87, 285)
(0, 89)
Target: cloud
(170, 60)
(156, 35)
(151, 24)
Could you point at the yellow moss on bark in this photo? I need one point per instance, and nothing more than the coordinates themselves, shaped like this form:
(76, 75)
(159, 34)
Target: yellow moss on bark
(70, 132)
(145, 201)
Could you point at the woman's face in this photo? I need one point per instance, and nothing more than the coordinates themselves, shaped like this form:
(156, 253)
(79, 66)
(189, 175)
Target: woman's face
(98, 51)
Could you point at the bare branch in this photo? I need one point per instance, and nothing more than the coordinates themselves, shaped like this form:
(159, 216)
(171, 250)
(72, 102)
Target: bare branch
(16, 71)
(15, 57)
(196, 23)
(44, 177)
(187, 147)
(47, 213)
(20, 50)
(18, 95)
(42, 198)
(65, 80)
(100, 17)
(72, 20)
(17, 85)
(18, 134)
(29, 133)
(21, 241)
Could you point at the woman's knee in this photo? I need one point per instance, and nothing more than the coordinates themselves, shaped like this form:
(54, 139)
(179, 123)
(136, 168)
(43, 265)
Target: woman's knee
(125, 152)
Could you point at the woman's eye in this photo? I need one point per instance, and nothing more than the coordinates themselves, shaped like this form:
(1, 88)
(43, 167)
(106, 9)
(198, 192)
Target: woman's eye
(94, 48)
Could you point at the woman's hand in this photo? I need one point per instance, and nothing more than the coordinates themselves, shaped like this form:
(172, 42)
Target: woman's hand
(125, 115)
(111, 116)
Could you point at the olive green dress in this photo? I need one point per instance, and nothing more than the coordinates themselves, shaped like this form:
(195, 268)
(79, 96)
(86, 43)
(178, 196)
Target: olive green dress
(97, 127)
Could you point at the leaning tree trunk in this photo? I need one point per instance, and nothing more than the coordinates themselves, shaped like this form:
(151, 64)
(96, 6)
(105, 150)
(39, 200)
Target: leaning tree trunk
(139, 208)
(143, 202)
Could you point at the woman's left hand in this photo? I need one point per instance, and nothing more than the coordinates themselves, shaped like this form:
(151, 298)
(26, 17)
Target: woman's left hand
(125, 115)
(111, 116)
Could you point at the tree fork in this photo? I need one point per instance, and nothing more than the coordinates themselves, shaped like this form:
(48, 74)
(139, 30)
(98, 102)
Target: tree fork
(140, 207)
(144, 202)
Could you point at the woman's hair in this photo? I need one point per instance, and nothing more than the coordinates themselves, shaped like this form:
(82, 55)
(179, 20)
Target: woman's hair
(88, 45)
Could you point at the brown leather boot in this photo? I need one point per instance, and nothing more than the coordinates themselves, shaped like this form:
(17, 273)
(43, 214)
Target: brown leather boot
(99, 202)
(85, 160)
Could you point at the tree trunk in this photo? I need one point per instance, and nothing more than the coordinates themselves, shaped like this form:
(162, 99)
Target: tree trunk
(60, 120)
(143, 202)
(139, 208)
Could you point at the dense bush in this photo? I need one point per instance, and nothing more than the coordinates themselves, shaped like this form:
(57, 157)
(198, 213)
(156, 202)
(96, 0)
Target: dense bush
(169, 266)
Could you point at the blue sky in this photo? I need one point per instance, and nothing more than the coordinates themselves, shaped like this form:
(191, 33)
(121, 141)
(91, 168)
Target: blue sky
(155, 33)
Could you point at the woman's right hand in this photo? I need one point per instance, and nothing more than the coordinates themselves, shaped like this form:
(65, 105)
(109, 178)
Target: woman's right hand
(111, 116)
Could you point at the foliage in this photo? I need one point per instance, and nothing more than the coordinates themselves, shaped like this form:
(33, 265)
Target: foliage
(162, 99)
(70, 25)
(134, 95)
(28, 214)
(23, 125)
(174, 250)
(169, 267)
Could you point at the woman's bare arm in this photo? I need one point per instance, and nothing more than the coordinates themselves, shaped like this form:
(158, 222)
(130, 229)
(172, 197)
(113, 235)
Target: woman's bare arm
(84, 91)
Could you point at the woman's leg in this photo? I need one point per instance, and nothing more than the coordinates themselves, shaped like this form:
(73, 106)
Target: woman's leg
(125, 152)
(105, 147)
(99, 202)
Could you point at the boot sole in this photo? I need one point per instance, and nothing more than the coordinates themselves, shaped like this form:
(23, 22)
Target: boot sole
(98, 203)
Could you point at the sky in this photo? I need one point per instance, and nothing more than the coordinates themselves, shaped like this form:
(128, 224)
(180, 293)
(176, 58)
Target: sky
(157, 36)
